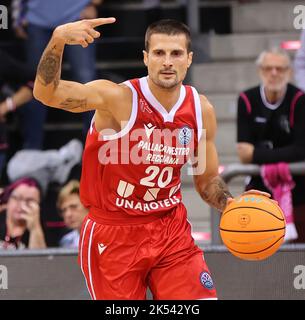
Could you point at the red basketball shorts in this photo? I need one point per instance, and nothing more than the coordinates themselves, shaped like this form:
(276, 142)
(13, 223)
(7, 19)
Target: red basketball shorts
(120, 262)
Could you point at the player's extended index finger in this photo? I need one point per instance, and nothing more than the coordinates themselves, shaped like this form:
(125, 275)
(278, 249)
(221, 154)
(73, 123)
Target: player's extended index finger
(101, 21)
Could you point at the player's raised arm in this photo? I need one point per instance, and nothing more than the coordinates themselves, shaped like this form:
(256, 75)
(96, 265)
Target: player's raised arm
(69, 95)
(208, 183)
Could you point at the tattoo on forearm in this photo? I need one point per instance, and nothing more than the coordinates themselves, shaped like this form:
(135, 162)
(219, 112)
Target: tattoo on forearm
(216, 193)
(49, 67)
(71, 40)
(70, 104)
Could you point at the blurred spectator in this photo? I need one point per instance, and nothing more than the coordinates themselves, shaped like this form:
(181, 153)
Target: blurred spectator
(271, 129)
(299, 63)
(49, 168)
(12, 73)
(151, 3)
(73, 213)
(34, 21)
(46, 166)
(20, 226)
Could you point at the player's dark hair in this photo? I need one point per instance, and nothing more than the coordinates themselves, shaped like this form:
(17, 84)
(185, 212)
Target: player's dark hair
(169, 27)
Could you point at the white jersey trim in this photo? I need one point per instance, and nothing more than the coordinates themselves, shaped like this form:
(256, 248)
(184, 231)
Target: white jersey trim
(89, 261)
(198, 111)
(81, 257)
(91, 124)
(132, 119)
(167, 116)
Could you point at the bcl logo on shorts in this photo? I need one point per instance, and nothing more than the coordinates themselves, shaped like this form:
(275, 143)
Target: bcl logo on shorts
(206, 280)
(185, 135)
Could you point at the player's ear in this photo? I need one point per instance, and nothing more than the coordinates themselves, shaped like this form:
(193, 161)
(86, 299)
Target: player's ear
(145, 57)
(190, 58)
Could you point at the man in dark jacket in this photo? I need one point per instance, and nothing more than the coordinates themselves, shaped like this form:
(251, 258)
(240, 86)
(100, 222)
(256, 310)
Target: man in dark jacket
(271, 125)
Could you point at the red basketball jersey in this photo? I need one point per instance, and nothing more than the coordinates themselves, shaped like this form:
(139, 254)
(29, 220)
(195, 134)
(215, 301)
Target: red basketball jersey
(135, 173)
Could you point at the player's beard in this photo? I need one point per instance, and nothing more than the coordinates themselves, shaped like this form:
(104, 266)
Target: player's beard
(166, 84)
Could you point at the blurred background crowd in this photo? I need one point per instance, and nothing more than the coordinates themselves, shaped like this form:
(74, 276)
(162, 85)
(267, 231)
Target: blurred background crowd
(251, 67)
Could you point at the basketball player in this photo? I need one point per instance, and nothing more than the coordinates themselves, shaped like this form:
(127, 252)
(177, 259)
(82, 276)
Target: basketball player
(136, 234)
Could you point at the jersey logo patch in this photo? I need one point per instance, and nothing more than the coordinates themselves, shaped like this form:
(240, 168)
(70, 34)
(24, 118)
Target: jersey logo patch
(151, 194)
(206, 280)
(149, 129)
(125, 189)
(173, 190)
(101, 248)
(185, 135)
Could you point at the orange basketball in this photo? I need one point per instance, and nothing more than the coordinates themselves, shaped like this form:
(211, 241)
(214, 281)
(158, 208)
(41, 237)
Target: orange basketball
(252, 227)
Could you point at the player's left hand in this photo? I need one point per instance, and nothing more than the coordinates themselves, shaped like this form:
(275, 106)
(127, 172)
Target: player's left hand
(80, 32)
(255, 192)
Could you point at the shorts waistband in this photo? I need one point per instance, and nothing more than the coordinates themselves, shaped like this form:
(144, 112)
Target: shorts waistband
(121, 218)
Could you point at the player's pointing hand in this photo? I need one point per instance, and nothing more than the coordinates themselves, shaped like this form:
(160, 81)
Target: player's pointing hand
(100, 21)
(81, 32)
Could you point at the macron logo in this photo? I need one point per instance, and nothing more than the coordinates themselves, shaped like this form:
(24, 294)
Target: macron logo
(101, 248)
(149, 129)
